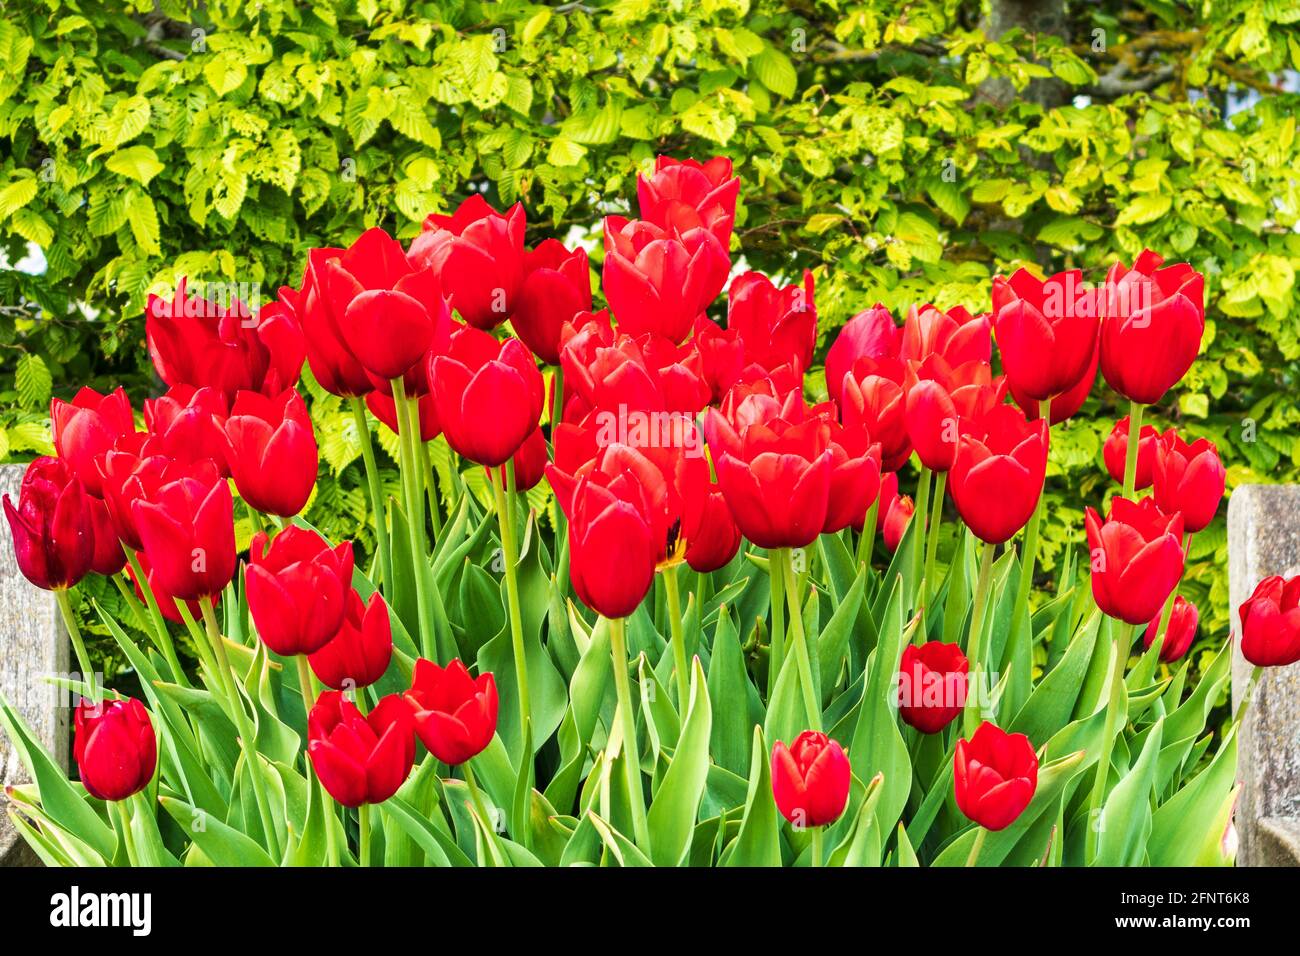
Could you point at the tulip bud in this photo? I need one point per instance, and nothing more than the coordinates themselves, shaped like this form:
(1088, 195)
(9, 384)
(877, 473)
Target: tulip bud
(297, 589)
(810, 779)
(359, 654)
(995, 775)
(717, 540)
(455, 714)
(1270, 623)
(895, 512)
(1189, 479)
(1137, 558)
(114, 746)
(129, 476)
(272, 451)
(932, 685)
(1115, 453)
(1067, 404)
(52, 527)
(529, 461)
(87, 427)
(1179, 633)
(360, 759)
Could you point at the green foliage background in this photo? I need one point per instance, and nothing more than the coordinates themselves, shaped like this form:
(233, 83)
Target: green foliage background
(890, 146)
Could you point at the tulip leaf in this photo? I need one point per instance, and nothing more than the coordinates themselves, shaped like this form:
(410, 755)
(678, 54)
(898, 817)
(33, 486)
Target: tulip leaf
(861, 845)
(222, 844)
(905, 856)
(832, 645)
(1125, 822)
(1050, 705)
(729, 696)
(618, 847)
(759, 841)
(439, 849)
(1189, 823)
(672, 813)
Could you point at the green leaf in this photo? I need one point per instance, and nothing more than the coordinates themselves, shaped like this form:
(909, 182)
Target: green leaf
(135, 162)
(775, 71)
(32, 377)
(222, 844)
(759, 841)
(1126, 816)
(672, 814)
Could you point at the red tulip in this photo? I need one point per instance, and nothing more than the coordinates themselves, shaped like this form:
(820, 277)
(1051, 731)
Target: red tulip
(995, 775)
(658, 280)
(1270, 623)
(359, 654)
(1046, 331)
(1188, 478)
(956, 336)
(332, 363)
(85, 428)
(686, 194)
(187, 528)
(776, 325)
(1067, 404)
(530, 463)
(895, 512)
(932, 685)
(1151, 333)
(855, 475)
(872, 394)
(1179, 633)
(166, 602)
(1115, 453)
(114, 746)
(297, 589)
(228, 347)
(272, 451)
(478, 255)
(607, 370)
(718, 539)
(128, 476)
(1137, 558)
(360, 758)
(810, 779)
(722, 356)
(384, 408)
(488, 395)
(556, 287)
(870, 334)
(455, 714)
(108, 557)
(998, 473)
(188, 425)
(52, 527)
(939, 397)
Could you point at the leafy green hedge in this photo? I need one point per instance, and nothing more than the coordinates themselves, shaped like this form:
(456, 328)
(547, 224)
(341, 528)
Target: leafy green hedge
(890, 146)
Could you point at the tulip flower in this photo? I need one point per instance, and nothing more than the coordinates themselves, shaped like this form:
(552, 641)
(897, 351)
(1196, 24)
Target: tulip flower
(810, 779)
(166, 602)
(939, 397)
(1066, 405)
(52, 526)
(187, 530)
(872, 395)
(869, 334)
(611, 371)
(956, 336)
(87, 427)
(1046, 331)
(488, 395)
(530, 463)
(297, 589)
(477, 254)
(895, 511)
(855, 475)
(1151, 332)
(1179, 633)
(995, 775)
(188, 424)
(360, 758)
(722, 356)
(658, 280)
(1114, 453)
(384, 408)
(1189, 479)
(359, 654)
(455, 714)
(114, 746)
(556, 287)
(717, 539)
(108, 557)
(997, 475)
(272, 451)
(1137, 558)
(332, 363)
(686, 194)
(777, 325)
(228, 347)
(932, 685)
(128, 476)
(1270, 623)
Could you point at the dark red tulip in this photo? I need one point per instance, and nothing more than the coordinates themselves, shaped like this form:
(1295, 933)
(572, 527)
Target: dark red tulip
(297, 589)
(1179, 633)
(872, 394)
(384, 408)
(319, 307)
(932, 685)
(869, 334)
(1115, 453)
(1137, 558)
(556, 287)
(998, 473)
(359, 654)
(52, 527)
(717, 540)
(686, 194)
(1067, 404)
(530, 463)
(488, 395)
(722, 356)
(272, 451)
(128, 476)
(114, 746)
(956, 336)
(455, 714)
(995, 775)
(478, 255)
(1046, 331)
(1151, 333)
(187, 528)
(810, 779)
(228, 347)
(939, 397)
(777, 325)
(108, 558)
(360, 758)
(166, 602)
(895, 512)
(1188, 478)
(86, 427)
(1270, 623)
(658, 280)
(188, 425)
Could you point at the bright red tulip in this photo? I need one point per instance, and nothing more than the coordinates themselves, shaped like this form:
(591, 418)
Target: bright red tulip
(1067, 404)
(1115, 453)
(272, 451)
(114, 746)
(872, 394)
(1137, 558)
(810, 779)
(606, 370)
(722, 356)
(686, 194)
(1270, 623)
(1179, 634)
(108, 557)
(932, 685)
(360, 758)
(855, 475)
(556, 287)
(718, 539)
(87, 427)
(488, 395)
(1189, 479)
(995, 775)
(1151, 333)
(332, 363)
(939, 397)
(187, 528)
(956, 336)
(166, 602)
(530, 463)
(52, 527)
(777, 325)
(188, 425)
(455, 714)
(1046, 331)
(895, 512)
(869, 334)
(998, 473)
(297, 589)
(127, 475)
(359, 654)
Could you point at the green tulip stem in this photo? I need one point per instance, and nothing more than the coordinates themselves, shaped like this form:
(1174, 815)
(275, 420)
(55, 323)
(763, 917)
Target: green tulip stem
(867, 540)
(159, 622)
(631, 750)
(124, 816)
(800, 640)
(78, 645)
(247, 739)
(1247, 694)
(919, 520)
(1123, 637)
(431, 487)
(304, 685)
(975, 642)
(1131, 455)
(776, 654)
(408, 442)
(816, 847)
(363, 835)
(932, 544)
(480, 808)
(679, 641)
(376, 493)
(980, 834)
(510, 555)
